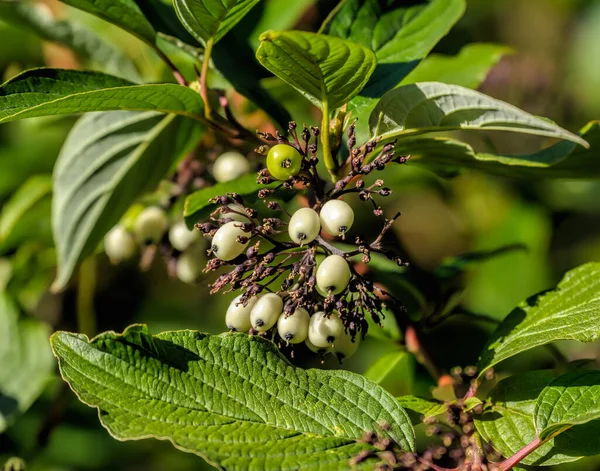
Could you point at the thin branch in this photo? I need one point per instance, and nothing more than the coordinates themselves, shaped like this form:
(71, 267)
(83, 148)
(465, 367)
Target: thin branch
(176, 73)
(203, 79)
(515, 459)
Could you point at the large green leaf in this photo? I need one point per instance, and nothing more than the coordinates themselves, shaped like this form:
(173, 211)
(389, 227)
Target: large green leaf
(508, 423)
(419, 408)
(108, 160)
(45, 92)
(564, 159)
(26, 360)
(328, 71)
(211, 19)
(231, 398)
(569, 312)
(85, 43)
(433, 106)
(571, 399)
(123, 13)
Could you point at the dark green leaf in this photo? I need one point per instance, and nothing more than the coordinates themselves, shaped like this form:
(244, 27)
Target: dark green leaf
(454, 266)
(433, 106)
(45, 92)
(419, 408)
(211, 19)
(570, 312)
(328, 71)
(231, 398)
(109, 160)
(26, 360)
(570, 399)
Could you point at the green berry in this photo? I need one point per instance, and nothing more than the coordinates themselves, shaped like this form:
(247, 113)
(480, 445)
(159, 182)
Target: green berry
(181, 237)
(324, 331)
(225, 244)
(119, 244)
(229, 166)
(336, 217)
(333, 275)
(150, 225)
(304, 226)
(190, 264)
(294, 328)
(283, 162)
(266, 311)
(237, 317)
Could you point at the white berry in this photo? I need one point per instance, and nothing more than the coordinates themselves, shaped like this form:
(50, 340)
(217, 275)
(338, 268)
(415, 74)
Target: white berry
(333, 275)
(266, 311)
(234, 212)
(324, 331)
(320, 350)
(225, 244)
(294, 328)
(345, 347)
(229, 166)
(150, 225)
(119, 244)
(190, 264)
(181, 237)
(336, 217)
(237, 317)
(304, 226)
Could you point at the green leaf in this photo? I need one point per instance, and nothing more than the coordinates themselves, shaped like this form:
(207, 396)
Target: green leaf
(85, 43)
(211, 19)
(508, 423)
(433, 106)
(231, 398)
(123, 13)
(198, 207)
(46, 92)
(395, 368)
(30, 193)
(570, 399)
(570, 312)
(562, 160)
(455, 266)
(419, 408)
(328, 71)
(26, 360)
(107, 161)
(468, 68)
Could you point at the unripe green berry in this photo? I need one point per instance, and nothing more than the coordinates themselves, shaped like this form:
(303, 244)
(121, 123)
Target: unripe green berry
(333, 274)
(237, 317)
(150, 225)
(181, 237)
(266, 311)
(337, 217)
(345, 347)
(294, 328)
(119, 244)
(324, 331)
(229, 166)
(304, 226)
(225, 244)
(190, 264)
(283, 162)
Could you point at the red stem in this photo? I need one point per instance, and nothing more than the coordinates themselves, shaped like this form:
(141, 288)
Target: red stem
(515, 459)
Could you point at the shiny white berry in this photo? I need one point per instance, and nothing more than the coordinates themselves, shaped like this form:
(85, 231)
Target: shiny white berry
(234, 212)
(119, 244)
(225, 244)
(181, 237)
(150, 225)
(345, 347)
(324, 331)
(229, 166)
(266, 311)
(237, 317)
(294, 328)
(190, 264)
(304, 226)
(336, 217)
(320, 350)
(333, 275)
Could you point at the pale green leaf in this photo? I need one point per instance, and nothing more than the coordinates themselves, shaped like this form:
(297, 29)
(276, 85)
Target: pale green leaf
(107, 161)
(397, 363)
(328, 71)
(433, 106)
(26, 360)
(231, 398)
(211, 19)
(45, 92)
(570, 399)
(569, 312)
(419, 408)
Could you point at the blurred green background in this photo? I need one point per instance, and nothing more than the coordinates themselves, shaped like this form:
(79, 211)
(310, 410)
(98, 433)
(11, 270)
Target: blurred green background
(554, 70)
